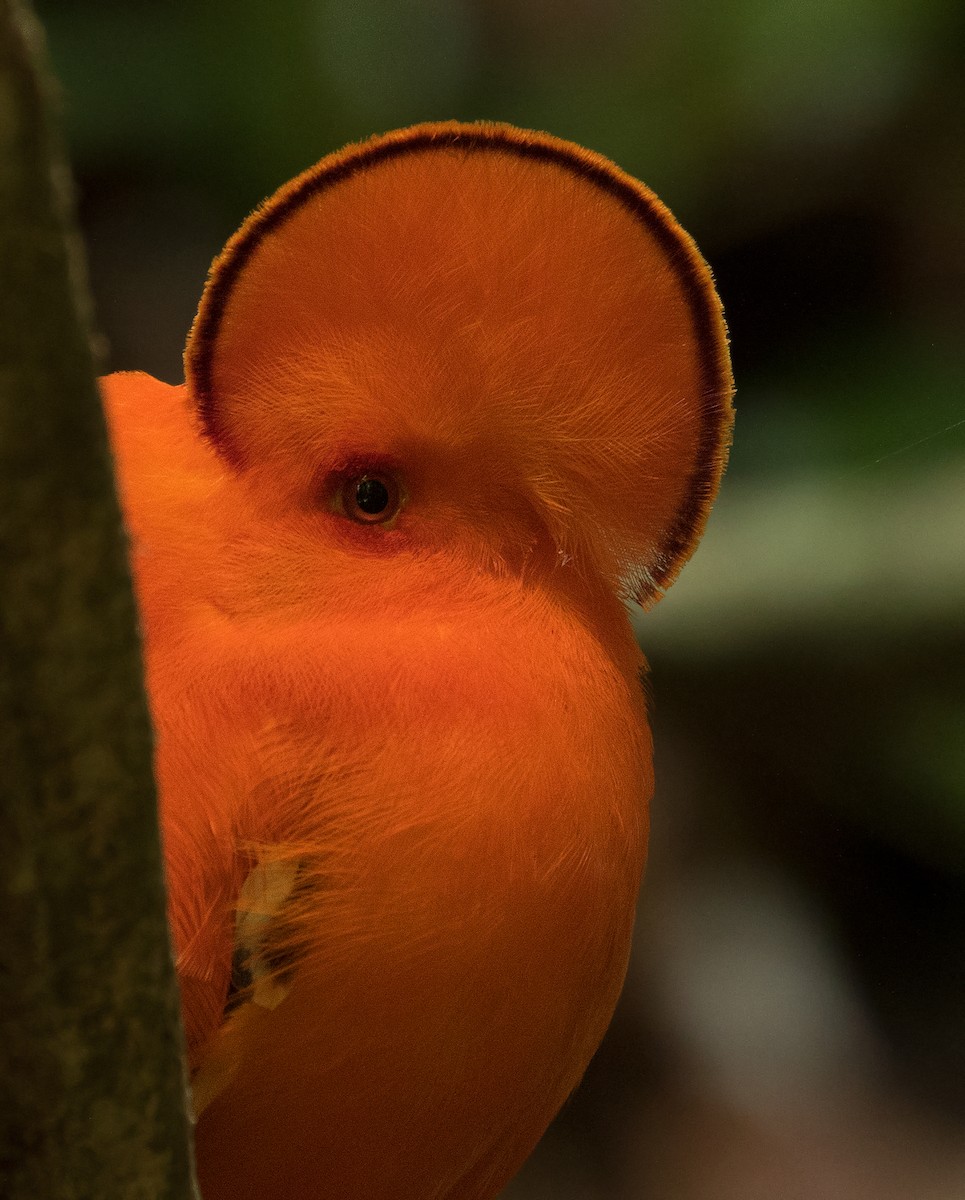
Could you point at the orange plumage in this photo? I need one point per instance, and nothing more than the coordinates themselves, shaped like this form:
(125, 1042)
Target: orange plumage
(452, 396)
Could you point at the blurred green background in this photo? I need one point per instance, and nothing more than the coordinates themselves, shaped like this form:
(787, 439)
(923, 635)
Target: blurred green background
(794, 1021)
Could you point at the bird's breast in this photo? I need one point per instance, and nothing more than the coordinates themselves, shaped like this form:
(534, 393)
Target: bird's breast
(466, 847)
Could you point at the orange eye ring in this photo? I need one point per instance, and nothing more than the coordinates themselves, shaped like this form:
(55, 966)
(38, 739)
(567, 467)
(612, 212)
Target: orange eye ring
(372, 498)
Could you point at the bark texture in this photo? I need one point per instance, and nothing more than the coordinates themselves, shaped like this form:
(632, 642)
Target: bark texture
(92, 1086)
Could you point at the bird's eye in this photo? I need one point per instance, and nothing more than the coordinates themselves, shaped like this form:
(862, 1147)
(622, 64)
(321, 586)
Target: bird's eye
(371, 499)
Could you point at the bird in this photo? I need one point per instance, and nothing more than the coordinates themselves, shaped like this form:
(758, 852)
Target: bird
(454, 398)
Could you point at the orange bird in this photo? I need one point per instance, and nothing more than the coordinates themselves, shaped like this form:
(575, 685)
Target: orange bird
(453, 396)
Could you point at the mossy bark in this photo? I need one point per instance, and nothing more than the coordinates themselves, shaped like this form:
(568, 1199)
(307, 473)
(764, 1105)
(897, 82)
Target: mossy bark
(92, 1086)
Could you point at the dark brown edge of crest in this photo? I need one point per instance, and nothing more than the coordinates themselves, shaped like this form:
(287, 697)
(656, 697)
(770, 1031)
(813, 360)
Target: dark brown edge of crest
(716, 383)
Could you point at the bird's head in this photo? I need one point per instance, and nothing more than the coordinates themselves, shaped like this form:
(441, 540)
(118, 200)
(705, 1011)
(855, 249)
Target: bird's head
(473, 339)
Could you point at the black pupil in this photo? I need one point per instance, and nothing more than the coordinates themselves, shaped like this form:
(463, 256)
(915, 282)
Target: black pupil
(372, 496)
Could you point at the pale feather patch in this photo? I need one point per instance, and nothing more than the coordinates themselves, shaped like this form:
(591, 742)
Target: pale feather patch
(263, 894)
(261, 897)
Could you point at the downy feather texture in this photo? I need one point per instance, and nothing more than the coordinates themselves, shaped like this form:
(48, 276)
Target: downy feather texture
(403, 754)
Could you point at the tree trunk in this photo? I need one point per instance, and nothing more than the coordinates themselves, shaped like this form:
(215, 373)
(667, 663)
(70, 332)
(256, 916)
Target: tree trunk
(92, 1083)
